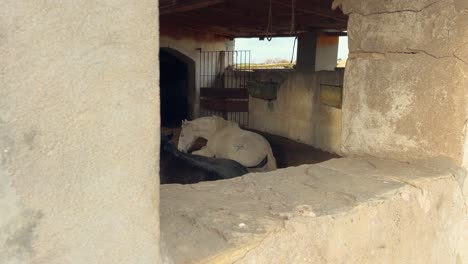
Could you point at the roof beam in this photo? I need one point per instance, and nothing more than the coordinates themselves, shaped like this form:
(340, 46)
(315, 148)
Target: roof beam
(317, 11)
(200, 27)
(186, 6)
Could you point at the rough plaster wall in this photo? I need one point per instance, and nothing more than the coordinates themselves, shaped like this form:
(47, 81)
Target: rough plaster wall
(327, 130)
(296, 113)
(406, 86)
(78, 132)
(188, 47)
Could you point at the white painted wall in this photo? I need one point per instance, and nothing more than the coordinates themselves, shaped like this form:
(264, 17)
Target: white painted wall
(326, 53)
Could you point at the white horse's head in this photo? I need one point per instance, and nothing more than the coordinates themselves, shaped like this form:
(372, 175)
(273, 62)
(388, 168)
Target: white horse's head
(202, 127)
(188, 135)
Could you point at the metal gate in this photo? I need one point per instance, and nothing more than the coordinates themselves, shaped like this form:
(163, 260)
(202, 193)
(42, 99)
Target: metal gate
(223, 84)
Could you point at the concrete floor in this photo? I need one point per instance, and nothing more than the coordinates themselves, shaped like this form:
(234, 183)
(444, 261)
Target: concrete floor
(287, 152)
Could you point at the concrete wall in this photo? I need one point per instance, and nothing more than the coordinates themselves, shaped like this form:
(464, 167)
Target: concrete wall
(297, 113)
(189, 43)
(406, 86)
(348, 210)
(79, 117)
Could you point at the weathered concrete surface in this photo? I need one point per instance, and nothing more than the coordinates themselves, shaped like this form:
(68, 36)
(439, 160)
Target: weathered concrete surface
(342, 211)
(401, 107)
(405, 86)
(438, 29)
(297, 112)
(78, 132)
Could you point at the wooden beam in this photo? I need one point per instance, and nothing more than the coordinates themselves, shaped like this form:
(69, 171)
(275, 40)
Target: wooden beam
(223, 25)
(224, 105)
(187, 6)
(223, 20)
(338, 33)
(226, 93)
(198, 28)
(318, 12)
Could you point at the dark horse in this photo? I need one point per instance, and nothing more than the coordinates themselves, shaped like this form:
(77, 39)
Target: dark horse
(183, 168)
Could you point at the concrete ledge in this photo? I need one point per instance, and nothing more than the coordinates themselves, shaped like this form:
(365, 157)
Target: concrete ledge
(353, 210)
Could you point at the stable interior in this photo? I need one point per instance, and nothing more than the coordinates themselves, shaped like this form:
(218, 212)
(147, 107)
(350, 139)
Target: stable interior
(80, 112)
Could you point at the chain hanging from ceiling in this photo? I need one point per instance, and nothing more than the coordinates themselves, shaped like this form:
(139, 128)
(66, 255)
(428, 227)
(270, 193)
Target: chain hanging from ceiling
(292, 31)
(269, 28)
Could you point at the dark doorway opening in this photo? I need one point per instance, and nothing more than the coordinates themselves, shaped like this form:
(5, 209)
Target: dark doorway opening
(174, 89)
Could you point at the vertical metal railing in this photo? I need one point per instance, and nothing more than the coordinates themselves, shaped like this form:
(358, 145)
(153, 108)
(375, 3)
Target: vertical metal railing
(224, 70)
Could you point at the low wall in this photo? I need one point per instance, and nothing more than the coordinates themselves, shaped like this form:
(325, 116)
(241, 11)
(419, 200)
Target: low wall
(349, 210)
(297, 113)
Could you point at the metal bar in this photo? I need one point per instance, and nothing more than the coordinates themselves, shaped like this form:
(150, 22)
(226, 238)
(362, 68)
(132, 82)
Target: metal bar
(236, 93)
(250, 76)
(204, 77)
(230, 85)
(201, 82)
(209, 69)
(317, 11)
(232, 104)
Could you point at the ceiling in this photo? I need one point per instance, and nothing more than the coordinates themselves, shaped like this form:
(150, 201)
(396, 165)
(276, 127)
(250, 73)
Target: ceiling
(250, 18)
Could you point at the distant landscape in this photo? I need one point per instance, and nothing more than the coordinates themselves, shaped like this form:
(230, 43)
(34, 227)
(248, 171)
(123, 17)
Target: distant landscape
(269, 64)
(277, 53)
(279, 64)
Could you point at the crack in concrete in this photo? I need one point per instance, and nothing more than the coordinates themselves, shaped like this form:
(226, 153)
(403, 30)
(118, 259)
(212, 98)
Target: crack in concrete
(459, 58)
(372, 164)
(410, 52)
(219, 233)
(396, 11)
(418, 51)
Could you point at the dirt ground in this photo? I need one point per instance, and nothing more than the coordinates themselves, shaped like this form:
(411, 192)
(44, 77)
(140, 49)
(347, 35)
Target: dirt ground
(287, 152)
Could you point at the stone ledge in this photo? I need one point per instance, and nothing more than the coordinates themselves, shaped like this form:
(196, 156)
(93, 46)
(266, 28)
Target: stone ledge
(352, 210)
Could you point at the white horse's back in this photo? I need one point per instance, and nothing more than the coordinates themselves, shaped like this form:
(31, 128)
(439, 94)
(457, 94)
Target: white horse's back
(246, 147)
(227, 140)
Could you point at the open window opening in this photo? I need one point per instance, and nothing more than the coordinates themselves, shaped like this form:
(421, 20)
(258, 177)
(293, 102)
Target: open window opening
(343, 52)
(271, 88)
(277, 53)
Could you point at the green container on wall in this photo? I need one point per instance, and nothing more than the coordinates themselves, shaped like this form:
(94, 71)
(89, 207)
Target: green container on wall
(263, 90)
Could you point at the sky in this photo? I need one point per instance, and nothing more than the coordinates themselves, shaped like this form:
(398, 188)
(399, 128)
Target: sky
(279, 48)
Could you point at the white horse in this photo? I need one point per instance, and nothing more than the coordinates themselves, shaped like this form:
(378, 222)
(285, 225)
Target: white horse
(225, 139)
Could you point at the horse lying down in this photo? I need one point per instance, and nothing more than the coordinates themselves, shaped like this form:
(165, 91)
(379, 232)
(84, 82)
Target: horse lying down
(225, 139)
(183, 168)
